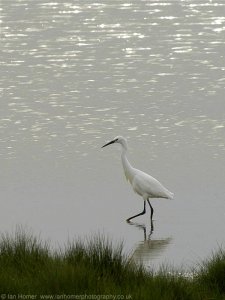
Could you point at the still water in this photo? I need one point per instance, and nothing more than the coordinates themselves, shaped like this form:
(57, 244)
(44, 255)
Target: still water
(74, 75)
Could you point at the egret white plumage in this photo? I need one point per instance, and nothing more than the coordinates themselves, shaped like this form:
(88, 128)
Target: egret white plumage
(143, 184)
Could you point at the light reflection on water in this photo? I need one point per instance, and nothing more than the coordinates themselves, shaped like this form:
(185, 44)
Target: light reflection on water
(74, 75)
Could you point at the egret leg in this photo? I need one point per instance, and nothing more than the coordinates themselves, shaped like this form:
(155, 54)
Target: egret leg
(152, 210)
(142, 213)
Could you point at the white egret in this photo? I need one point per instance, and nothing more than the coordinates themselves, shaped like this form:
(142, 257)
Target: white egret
(142, 183)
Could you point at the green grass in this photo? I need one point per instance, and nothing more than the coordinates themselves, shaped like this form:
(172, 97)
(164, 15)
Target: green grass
(96, 267)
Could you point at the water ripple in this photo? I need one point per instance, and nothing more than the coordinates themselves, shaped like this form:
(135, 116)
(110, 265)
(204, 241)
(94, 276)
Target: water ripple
(82, 72)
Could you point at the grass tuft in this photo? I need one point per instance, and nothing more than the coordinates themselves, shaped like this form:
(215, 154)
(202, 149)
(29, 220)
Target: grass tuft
(212, 273)
(97, 267)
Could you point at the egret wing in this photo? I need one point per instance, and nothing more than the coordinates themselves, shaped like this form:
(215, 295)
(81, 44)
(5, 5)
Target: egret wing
(149, 187)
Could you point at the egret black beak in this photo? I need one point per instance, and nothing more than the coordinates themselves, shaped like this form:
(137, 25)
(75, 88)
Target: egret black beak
(112, 142)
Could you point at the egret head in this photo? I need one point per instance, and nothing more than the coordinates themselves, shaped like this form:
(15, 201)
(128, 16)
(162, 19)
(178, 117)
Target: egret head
(118, 139)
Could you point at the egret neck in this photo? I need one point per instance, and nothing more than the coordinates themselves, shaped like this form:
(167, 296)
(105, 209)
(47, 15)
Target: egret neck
(128, 169)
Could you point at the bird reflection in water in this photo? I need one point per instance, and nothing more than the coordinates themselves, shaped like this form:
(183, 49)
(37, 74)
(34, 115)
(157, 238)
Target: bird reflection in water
(148, 249)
